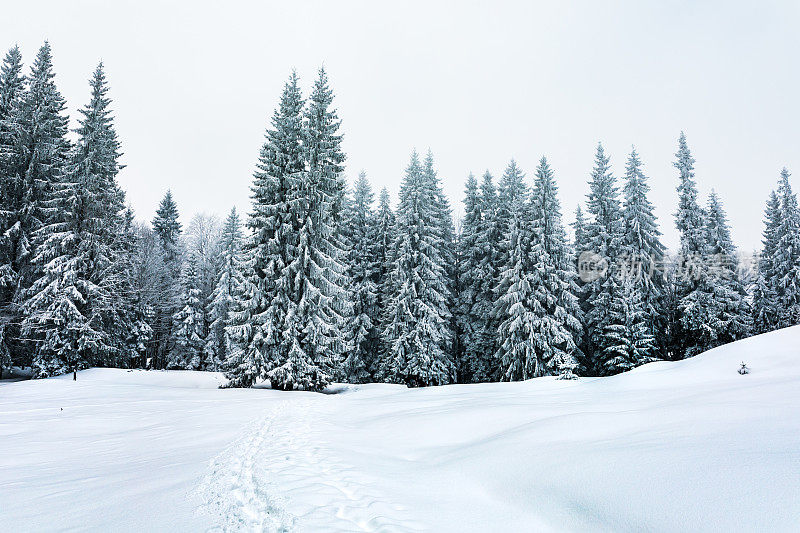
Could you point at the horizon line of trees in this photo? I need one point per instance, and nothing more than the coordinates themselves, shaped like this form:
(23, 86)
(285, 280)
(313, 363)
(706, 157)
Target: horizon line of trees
(320, 284)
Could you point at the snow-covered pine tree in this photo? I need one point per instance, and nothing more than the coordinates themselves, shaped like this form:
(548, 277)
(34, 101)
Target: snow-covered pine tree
(580, 237)
(228, 286)
(384, 246)
(716, 311)
(516, 307)
(512, 190)
(580, 244)
(481, 354)
(604, 234)
(765, 303)
(188, 322)
(168, 230)
(12, 92)
(730, 292)
(560, 315)
(148, 278)
(72, 310)
(628, 339)
(469, 283)
(786, 263)
(642, 252)
(537, 306)
(418, 333)
(42, 127)
(317, 269)
(443, 222)
(690, 219)
(288, 325)
(130, 323)
(362, 267)
(260, 340)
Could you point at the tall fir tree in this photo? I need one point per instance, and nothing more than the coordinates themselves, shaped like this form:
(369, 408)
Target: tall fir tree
(228, 287)
(385, 255)
(604, 234)
(188, 322)
(73, 309)
(559, 312)
(690, 219)
(481, 355)
(715, 312)
(786, 262)
(443, 223)
(168, 229)
(580, 241)
(642, 253)
(260, 340)
(363, 264)
(418, 332)
(12, 93)
(44, 154)
(628, 338)
(289, 325)
(730, 293)
(469, 325)
(765, 302)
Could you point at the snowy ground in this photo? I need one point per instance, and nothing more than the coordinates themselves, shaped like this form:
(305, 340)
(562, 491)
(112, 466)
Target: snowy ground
(681, 446)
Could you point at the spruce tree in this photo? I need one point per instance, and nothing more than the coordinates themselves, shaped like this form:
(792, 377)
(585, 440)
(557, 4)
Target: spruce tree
(362, 267)
(34, 153)
(730, 294)
(188, 322)
(765, 302)
(628, 339)
(72, 309)
(560, 326)
(260, 340)
(538, 309)
(289, 321)
(418, 332)
(168, 230)
(642, 252)
(469, 325)
(580, 240)
(384, 249)
(481, 355)
(443, 222)
(690, 219)
(517, 307)
(316, 273)
(604, 234)
(786, 262)
(12, 92)
(228, 286)
(44, 153)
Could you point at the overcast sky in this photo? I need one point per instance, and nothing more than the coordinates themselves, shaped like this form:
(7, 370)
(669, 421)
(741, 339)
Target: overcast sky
(194, 85)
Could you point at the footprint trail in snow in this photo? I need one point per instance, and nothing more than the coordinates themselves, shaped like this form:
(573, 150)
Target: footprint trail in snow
(279, 476)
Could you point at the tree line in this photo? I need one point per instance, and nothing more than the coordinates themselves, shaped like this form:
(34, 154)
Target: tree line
(319, 283)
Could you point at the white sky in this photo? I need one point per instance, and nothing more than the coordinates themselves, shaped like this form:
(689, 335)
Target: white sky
(194, 85)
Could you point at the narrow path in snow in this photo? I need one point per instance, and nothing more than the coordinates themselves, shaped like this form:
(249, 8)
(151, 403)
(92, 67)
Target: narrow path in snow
(281, 476)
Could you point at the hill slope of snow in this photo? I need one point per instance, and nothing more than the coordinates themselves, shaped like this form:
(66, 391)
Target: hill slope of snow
(671, 446)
